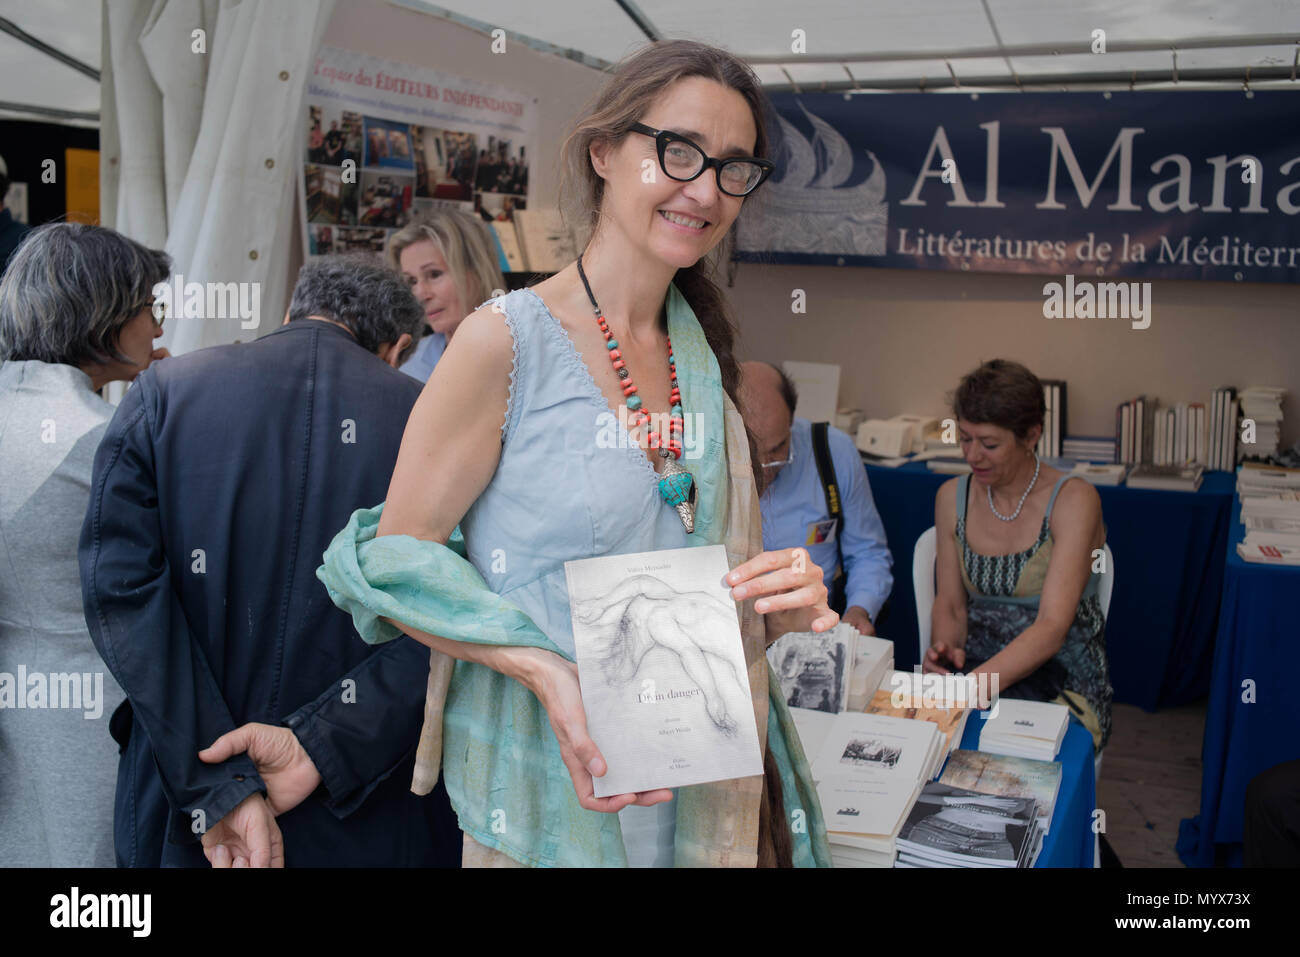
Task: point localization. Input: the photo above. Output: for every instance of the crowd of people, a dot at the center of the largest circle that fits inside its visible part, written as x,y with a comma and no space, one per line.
330,597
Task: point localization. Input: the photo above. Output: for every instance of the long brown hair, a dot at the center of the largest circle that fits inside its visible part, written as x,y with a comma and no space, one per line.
625,99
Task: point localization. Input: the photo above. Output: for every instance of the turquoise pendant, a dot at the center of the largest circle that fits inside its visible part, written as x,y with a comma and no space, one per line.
677,486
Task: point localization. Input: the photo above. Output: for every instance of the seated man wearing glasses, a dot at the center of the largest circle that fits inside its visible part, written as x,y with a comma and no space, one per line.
824,506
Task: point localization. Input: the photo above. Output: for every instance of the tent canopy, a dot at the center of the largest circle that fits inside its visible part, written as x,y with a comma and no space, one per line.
930,44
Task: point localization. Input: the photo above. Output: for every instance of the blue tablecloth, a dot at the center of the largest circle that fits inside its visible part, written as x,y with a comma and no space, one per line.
1070,840
1257,638
1169,550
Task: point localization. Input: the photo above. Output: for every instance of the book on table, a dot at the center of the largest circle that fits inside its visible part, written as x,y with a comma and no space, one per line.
662,670
1100,474
958,827
830,671
1027,729
868,771
1007,776
890,701
1174,478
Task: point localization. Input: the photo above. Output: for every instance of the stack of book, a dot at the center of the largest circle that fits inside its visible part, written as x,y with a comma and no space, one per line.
1088,448
1263,406
1270,511
830,671
1025,729
1100,474
1181,435
889,701
1174,478
868,771
948,464
1005,776
1049,443
1224,409
957,827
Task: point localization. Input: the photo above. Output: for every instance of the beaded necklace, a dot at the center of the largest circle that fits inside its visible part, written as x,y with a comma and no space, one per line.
676,484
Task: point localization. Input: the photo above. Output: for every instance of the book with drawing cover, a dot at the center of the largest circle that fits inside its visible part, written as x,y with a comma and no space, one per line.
1006,776
662,669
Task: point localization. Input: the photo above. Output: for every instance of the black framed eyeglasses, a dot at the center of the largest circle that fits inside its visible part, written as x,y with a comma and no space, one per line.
683,160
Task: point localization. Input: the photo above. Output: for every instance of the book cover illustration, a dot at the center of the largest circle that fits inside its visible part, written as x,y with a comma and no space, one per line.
662,669
1006,776
813,669
947,719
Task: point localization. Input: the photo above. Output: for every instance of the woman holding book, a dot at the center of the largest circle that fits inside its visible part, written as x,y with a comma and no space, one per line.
1016,594
509,441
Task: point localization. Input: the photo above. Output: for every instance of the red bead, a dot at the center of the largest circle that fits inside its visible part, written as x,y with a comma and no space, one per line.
628,387
653,440
619,363
608,335
675,448
615,354
642,418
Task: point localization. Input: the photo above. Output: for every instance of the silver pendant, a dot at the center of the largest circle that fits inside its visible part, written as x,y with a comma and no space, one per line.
677,486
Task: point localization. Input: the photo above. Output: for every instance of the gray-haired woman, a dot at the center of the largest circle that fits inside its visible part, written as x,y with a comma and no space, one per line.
449,260
76,312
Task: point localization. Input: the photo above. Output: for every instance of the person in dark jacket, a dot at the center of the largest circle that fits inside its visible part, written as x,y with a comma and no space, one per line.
218,485
12,232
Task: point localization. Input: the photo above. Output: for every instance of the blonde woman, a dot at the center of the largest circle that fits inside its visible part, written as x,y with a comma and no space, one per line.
449,260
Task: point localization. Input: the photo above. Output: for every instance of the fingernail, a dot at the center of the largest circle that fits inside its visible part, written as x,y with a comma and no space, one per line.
594,767
760,605
732,578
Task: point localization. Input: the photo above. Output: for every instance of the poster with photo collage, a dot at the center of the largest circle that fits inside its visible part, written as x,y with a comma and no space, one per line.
386,142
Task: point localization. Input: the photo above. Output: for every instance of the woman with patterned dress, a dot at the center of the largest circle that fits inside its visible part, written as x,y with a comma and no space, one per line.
1016,594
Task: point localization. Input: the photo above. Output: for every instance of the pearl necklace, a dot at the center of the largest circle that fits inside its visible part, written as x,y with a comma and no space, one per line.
1016,514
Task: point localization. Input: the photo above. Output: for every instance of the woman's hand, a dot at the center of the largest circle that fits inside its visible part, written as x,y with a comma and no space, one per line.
942,659
794,583
555,682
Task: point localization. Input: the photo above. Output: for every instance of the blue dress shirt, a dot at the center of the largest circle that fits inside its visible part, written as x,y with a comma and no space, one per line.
425,357
795,501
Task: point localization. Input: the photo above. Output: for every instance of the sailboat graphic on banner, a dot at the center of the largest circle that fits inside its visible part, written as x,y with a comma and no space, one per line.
808,209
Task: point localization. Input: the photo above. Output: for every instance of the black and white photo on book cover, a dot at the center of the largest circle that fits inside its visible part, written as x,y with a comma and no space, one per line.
861,747
662,669
813,669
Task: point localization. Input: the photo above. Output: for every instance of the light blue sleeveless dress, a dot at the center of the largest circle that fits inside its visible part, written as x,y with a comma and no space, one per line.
570,484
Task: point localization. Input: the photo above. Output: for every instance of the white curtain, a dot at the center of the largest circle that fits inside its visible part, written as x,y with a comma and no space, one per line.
199,151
